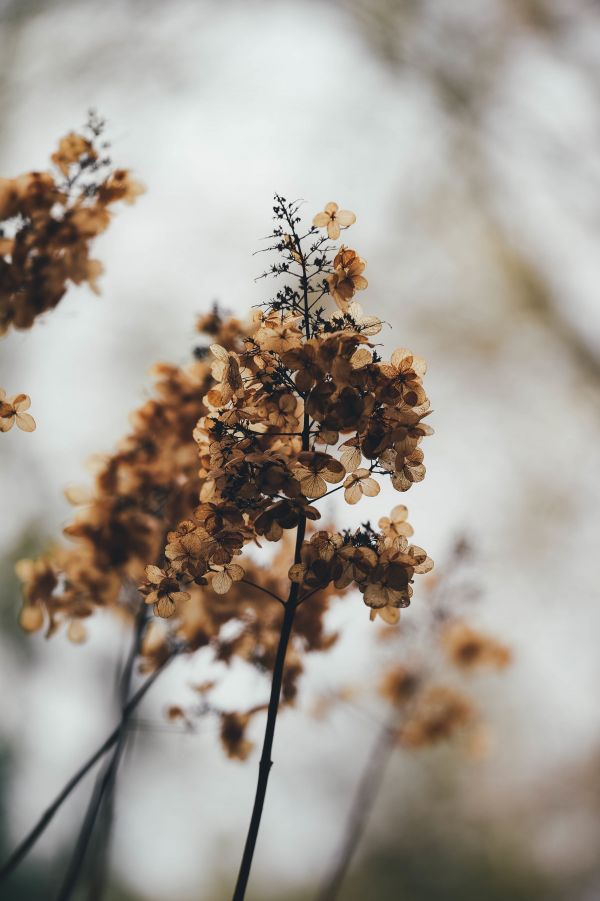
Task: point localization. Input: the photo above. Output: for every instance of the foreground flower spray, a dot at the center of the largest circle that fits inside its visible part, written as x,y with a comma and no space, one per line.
237,450
302,404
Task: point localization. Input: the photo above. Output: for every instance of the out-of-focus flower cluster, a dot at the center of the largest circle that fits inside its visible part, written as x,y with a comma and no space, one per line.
428,663
48,221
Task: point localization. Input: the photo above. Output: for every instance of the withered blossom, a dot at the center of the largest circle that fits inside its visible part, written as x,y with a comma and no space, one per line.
48,221
334,219
13,412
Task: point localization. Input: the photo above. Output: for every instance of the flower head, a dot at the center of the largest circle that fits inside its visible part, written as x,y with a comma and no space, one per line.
12,410
333,219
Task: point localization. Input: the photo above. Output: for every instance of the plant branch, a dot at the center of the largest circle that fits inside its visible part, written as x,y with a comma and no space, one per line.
265,591
105,784
265,764
42,824
362,805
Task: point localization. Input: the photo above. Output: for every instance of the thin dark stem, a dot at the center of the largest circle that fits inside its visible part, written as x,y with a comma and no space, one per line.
31,838
265,764
362,805
264,590
105,783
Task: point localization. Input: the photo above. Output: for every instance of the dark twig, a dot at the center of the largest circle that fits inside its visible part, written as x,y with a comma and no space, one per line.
105,783
266,763
31,838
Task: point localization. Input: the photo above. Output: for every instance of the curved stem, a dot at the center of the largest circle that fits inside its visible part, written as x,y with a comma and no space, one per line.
362,805
42,824
264,590
105,784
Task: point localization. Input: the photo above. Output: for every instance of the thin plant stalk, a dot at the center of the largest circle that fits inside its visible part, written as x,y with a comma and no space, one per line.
106,782
364,800
25,846
265,764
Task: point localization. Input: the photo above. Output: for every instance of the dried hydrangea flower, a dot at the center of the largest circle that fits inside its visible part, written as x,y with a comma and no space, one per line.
162,590
469,649
347,277
12,411
333,219
360,483
48,221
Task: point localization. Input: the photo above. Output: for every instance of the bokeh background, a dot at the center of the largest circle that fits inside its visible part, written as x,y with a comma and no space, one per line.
466,137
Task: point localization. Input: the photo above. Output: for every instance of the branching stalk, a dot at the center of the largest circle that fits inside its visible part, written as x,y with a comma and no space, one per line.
362,805
42,824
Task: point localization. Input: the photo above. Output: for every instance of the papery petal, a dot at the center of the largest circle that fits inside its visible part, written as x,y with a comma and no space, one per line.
345,218
221,582
313,486
352,493
236,572
25,422
164,607
21,402
370,487
31,618
154,574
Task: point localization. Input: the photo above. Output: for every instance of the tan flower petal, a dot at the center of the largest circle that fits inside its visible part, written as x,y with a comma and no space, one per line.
352,492
345,218
221,582
154,574
390,615
31,618
236,572
313,486
370,487
333,230
25,422
76,633
164,607
21,403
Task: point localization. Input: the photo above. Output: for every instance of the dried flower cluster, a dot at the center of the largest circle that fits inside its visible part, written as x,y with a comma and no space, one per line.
430,707
302,403
153,479
238,448
48,221
234,450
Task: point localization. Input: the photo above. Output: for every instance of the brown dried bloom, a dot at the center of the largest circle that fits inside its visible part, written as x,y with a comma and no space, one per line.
48,221
12,411
347,277
469,649
400,684
233,735
333,219
439,712
238,448
162,590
